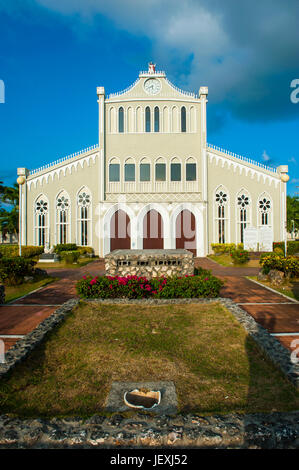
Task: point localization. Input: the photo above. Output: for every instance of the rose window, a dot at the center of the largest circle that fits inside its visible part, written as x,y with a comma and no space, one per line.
243,201
41,207
221,198
62,203
264,205
84,199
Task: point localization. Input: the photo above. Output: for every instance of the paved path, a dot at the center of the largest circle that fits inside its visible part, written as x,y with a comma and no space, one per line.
22,316
276,313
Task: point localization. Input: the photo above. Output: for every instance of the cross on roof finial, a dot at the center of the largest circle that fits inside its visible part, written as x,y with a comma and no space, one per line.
151,67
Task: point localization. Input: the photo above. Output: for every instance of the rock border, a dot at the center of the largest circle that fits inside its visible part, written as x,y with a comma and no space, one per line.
20,350
260,430
143,431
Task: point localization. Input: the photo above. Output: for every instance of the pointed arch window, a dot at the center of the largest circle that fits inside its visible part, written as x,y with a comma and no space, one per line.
121,120
175,170
84,218
147,119
264,210
62,217
160,170
41,220
144,170
183,119
243,208
157,119
221,199
190,170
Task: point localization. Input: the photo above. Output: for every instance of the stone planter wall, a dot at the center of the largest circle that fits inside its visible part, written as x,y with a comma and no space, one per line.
143,431
149,263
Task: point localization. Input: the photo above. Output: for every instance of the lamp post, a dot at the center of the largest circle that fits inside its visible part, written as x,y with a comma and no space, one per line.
284,177
21,180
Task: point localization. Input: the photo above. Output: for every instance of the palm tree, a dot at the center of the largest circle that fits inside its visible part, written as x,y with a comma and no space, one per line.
10,195
9,219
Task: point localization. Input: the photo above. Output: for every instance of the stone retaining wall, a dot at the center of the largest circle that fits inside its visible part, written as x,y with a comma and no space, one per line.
149,263
256,431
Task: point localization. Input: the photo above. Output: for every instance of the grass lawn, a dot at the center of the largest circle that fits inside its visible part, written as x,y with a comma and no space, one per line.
61,264
226,260
290,288
215,366
14,292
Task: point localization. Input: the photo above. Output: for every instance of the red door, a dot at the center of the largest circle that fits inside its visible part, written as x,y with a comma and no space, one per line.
153,230
120,235
186,231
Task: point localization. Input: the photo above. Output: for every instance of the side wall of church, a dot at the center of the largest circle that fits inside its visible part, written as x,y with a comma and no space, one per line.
67,187
234,183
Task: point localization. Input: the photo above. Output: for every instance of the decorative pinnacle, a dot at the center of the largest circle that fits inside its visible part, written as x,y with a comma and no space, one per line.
100,90
204,90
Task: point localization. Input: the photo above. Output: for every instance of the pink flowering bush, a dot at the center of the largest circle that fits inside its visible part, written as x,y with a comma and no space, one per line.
139,287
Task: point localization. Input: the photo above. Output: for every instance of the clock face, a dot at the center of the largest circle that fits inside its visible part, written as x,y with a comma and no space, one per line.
152,86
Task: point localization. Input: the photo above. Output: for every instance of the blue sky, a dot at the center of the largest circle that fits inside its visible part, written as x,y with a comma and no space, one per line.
54,53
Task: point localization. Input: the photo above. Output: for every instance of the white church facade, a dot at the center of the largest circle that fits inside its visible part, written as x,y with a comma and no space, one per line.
152,181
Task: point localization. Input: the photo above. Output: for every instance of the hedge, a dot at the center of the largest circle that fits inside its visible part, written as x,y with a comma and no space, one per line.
70,257
139,287
27,251
65,247
292,246
221,248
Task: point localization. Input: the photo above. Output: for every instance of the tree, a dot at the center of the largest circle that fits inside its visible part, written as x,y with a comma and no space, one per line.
9,217
292,213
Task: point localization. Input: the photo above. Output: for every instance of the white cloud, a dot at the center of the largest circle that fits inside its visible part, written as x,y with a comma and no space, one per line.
292,160
237,47
265,156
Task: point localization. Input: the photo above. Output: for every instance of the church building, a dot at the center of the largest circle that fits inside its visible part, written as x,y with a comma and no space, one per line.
152,180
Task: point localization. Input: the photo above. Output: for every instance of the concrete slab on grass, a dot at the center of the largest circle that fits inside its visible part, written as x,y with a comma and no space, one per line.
168,404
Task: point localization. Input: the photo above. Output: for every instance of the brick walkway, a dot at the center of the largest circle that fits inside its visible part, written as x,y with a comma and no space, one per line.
23,315
276,313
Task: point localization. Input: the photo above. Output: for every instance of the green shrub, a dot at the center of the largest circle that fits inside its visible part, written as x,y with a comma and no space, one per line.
70,257
134,287
289,265
65,247
85,250
27,251
221,248
13,270
292,246
279,251
199,271
240,256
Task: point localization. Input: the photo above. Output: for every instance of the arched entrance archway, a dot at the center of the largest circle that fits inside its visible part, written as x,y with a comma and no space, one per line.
153,230
185,231
120,233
